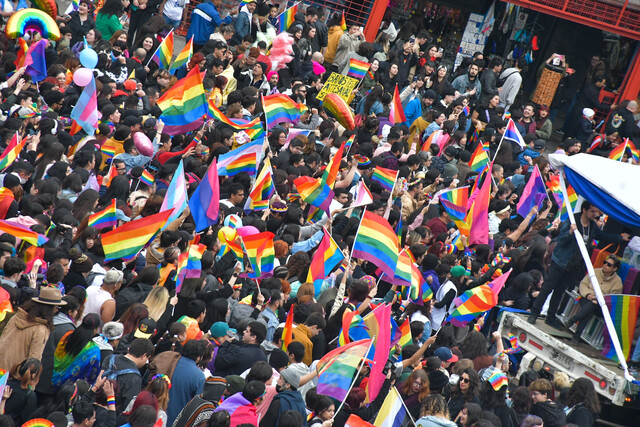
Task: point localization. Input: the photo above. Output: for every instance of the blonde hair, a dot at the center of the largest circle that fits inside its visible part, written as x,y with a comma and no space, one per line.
561,380
156,302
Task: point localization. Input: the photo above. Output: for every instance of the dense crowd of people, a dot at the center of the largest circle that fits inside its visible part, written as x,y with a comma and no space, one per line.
87,342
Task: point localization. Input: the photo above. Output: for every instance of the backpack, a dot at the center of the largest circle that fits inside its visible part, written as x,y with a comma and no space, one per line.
111,374
502,80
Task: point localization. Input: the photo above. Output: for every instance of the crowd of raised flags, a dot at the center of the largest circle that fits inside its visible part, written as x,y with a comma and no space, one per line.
251,210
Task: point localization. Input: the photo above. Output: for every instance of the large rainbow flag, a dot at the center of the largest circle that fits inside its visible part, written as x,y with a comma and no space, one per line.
476,301
185,103
286,18
105,218
624,315
243,159
280,108
386,178
263,189
376,242
455,202
315,192
127,240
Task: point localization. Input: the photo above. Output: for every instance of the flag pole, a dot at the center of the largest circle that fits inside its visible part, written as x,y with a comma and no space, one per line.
387,212
613,334
362,363
626,141
498,149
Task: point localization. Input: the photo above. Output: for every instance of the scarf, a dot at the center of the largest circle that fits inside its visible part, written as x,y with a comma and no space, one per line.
83,366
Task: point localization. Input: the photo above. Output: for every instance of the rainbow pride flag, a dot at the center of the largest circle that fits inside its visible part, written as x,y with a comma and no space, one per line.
280,108
215,113
331,171
287,331
343,22
349,143
358,69
12,151
21,53
327,257
476,301
405,330
479,159
286,18
315,192
108,150
337,368
263,189
24,233
105,218
259,250
376,242
111,173
618,152
624,315
242,159
147,178
396,112
455,202
164,52
183,57
386,178
127,240
185,102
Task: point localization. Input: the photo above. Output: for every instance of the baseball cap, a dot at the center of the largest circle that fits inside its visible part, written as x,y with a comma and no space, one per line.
146,329
220,329
132,120
539,144
445,355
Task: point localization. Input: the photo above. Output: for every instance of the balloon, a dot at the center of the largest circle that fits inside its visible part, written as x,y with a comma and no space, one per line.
89,58
339,109
247,230
143,144
82,76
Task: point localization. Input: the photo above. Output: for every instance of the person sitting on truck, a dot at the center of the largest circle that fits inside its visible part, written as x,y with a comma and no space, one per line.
610,283
551,413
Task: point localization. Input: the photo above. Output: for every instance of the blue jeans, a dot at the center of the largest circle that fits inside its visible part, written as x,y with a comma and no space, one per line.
175,23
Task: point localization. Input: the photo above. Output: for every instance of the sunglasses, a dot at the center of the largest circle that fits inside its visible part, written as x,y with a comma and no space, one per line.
610,264
464,380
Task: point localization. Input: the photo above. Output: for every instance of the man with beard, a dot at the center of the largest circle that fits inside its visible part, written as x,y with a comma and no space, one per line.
469,84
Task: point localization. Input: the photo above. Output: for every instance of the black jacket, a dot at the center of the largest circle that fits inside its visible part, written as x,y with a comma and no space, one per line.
235,358
128,296
550,412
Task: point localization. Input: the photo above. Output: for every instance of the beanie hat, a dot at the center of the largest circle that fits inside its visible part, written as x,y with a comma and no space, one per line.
278,359
292,376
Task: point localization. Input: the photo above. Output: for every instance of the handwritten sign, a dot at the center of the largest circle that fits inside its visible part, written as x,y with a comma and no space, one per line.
340,85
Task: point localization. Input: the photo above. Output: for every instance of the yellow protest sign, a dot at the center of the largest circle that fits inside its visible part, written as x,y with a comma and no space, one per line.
340,85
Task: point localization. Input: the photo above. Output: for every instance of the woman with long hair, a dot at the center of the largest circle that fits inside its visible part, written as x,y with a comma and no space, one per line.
323,410
495,401
156,302
77,356
414,391
544,127
108,18
80,21
28,330
133,316
474,347
23,378
159,386
298,266
371,104
441,83
434,413
52,153
465,391
583,403
389,78
470,414
371,78
85,204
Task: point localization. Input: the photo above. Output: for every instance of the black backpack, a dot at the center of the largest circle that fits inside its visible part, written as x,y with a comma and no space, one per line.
502,80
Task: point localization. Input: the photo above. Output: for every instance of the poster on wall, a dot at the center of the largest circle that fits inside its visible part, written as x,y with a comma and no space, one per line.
475,34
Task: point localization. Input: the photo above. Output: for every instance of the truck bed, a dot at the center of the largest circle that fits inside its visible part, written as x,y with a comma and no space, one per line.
550,349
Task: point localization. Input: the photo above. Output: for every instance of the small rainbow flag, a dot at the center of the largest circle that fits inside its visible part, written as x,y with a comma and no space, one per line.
498,380
337,368
396,112
164,52
21,53
624,315
327,257
479,159
331,171
127,240
215,113
349,143
263,189
405,330
315,192
112,173
618,152
280,108
476,301
343,22
12,151
23,233
376,242
259,250
286,18
108,150
287,331
183,57
386,178
105,218
244,162
475,136
358,69
455,202
147,178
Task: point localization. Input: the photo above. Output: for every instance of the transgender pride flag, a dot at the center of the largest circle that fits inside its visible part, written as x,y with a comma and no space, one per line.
85,112
176,197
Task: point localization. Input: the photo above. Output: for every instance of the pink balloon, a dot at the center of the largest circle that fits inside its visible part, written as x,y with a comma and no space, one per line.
143,144
82,76
247,230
